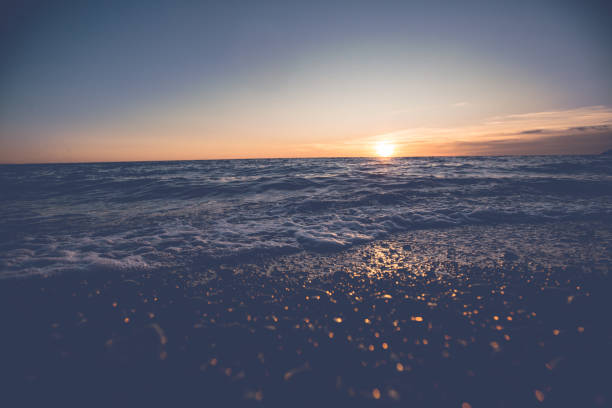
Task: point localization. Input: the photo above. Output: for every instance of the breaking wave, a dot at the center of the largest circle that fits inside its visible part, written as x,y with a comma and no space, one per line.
157,215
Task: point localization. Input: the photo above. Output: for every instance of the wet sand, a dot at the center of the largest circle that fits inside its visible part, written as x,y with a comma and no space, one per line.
481,316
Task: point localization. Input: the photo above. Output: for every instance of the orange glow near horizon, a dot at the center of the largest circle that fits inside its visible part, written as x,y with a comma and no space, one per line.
586,130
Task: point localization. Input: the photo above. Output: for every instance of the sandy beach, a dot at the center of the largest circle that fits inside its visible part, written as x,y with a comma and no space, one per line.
494,316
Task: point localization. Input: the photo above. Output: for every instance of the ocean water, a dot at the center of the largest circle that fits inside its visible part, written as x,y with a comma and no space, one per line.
169,215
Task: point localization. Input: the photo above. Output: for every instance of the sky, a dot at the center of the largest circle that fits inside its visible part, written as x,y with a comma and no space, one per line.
171,80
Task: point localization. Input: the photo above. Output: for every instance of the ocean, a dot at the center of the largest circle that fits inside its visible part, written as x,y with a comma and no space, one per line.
425,282
156,216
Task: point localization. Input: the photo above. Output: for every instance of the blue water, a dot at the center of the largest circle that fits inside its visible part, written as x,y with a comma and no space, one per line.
169,215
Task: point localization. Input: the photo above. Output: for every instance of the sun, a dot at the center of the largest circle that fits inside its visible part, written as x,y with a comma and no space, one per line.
384,149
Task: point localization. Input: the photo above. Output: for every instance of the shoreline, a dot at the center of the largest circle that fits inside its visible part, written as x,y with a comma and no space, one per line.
427,318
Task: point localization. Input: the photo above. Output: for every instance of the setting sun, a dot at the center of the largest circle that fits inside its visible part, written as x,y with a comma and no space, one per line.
384,149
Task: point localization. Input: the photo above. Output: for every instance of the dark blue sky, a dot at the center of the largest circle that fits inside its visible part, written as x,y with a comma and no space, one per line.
71,68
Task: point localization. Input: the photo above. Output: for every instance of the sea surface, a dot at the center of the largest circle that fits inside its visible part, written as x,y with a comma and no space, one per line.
156,216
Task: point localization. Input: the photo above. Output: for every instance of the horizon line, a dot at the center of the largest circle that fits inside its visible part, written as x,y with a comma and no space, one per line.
297,158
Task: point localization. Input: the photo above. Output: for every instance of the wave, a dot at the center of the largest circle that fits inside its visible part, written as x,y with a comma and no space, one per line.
108,216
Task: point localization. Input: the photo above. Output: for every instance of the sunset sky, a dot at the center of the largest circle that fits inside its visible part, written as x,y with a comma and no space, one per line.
155,80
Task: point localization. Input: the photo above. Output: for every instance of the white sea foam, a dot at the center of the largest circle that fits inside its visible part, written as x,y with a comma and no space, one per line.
186,214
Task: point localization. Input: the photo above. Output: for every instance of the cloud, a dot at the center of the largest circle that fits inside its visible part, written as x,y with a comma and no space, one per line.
592,143
591,128
531,132
582,130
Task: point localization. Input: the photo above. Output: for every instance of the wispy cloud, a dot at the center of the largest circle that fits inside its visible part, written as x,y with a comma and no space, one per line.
532,132
528,128
590,143
583,130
